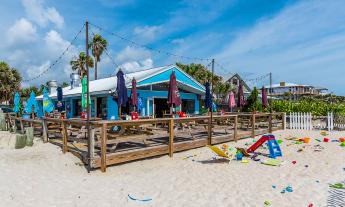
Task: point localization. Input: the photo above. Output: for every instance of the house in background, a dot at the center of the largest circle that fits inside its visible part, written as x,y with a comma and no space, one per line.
152,89
294,91
235,81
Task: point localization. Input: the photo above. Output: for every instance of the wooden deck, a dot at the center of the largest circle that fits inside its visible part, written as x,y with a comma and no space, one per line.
115,142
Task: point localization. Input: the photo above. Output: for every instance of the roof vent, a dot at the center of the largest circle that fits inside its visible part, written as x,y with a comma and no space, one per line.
52,85
75,78
282,84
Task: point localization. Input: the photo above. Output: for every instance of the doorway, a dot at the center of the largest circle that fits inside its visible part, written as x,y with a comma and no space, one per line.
161,107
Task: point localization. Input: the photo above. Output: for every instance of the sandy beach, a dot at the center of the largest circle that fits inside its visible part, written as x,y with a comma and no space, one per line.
42,176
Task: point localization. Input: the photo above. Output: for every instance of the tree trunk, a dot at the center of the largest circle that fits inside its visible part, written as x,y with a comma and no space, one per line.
96,60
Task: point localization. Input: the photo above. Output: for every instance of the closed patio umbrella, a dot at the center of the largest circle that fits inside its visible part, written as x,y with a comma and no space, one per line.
232,103
16,101
48,105
240,100
134,96
173,93
31,104
59,99
121,90
264,97
208,97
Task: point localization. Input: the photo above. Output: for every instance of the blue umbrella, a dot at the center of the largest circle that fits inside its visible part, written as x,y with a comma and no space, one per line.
122,96
208,97
31,103
48,105
16,101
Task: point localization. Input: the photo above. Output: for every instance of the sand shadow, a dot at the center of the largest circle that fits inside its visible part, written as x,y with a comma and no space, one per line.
214,161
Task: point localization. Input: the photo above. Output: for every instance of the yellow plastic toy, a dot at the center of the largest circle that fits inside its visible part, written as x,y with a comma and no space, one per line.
221,153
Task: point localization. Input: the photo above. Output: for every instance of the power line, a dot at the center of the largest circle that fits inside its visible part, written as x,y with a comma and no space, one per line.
58,59
148,47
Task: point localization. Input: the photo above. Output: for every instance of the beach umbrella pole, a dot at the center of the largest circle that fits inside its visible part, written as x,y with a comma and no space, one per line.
87,99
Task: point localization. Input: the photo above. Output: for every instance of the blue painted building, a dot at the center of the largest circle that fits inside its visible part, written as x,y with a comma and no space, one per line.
152,89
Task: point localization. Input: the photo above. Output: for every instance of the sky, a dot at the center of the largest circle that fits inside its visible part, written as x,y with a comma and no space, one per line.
298,41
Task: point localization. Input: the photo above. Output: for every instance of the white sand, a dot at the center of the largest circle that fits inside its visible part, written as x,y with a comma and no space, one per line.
43,176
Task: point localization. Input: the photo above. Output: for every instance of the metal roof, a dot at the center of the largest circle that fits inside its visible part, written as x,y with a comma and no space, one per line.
105,85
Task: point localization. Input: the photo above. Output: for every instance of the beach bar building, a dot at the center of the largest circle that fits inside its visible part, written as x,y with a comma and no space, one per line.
152,91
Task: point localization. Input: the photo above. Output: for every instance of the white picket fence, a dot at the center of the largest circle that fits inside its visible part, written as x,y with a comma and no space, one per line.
301,120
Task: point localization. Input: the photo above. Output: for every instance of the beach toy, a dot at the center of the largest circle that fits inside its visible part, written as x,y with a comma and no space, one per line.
136,199
337,186
310,205
272,144
342,139
267,203
243,151
271,162
273,186
306,140
342,144
318,140
279,141
220,153
239,156
325,139
294,162
245,161
289,189
323,133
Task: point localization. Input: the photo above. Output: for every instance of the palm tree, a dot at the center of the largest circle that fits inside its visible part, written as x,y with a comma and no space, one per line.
79,64
10,80
98,45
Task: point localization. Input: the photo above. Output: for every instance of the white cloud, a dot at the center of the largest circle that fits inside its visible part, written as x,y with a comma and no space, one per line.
42,15
147,33
133,54
303,39
133,66
178,41
34,70
54,42
21,32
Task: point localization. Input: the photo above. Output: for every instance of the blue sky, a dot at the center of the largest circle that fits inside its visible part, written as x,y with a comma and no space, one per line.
298,41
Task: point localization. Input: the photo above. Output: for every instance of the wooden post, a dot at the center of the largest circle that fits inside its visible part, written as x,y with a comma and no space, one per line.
209,138
284,121
21,126
44,130
104,148
235,128
171,137
92,143
64,137
253,125
270,123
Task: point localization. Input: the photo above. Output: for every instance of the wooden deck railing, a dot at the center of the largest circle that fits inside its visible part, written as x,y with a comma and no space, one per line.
106,135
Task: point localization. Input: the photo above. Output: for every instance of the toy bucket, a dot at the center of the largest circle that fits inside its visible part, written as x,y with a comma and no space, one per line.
306,140
342,139
325,139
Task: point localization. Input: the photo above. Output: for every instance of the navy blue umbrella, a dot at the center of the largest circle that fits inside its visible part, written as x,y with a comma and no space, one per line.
208,96
59,99
121,89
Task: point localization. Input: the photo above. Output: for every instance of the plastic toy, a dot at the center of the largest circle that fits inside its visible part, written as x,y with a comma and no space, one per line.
239,156
325,139
272,143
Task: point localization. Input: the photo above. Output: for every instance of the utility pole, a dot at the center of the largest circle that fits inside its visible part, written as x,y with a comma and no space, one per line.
88,114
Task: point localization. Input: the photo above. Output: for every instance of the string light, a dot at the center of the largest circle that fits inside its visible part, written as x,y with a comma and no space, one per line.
58,59
148,47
